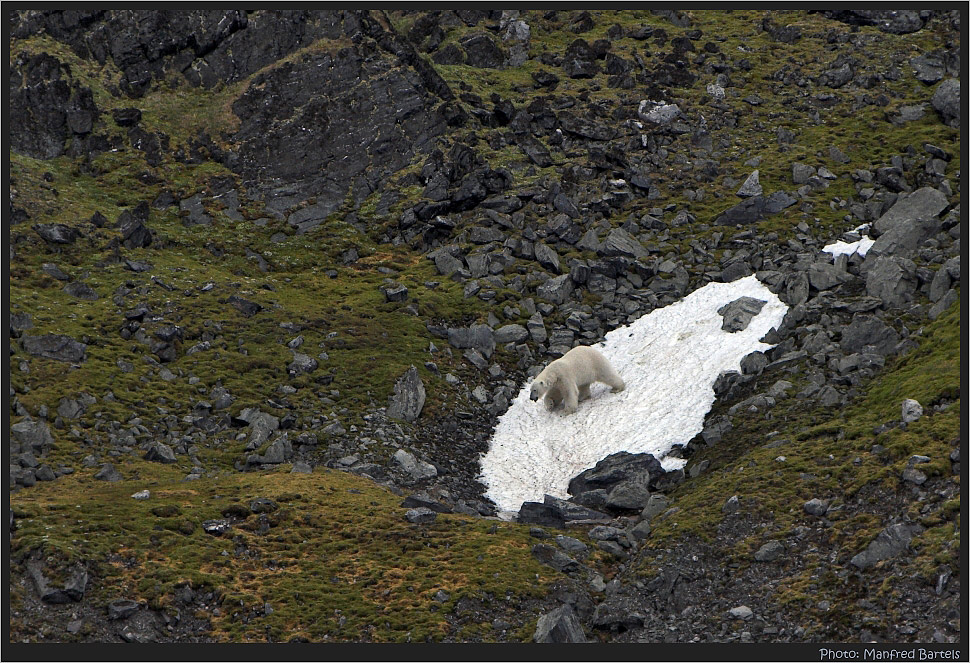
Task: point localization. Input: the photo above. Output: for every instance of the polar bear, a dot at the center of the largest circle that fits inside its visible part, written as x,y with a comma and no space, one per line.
566,380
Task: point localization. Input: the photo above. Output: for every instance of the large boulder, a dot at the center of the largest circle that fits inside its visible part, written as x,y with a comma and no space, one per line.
408,399
946,101
908,223
892,279
54,346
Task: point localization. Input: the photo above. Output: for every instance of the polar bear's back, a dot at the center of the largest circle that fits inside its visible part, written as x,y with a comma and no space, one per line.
585,364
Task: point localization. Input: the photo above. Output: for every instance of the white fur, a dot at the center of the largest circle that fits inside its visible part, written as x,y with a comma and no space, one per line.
567,379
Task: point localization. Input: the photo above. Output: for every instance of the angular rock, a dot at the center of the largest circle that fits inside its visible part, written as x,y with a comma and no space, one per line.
911,411
417,469
908,223
81,290
891,542
108,473
556,290
816,507
621,243
560,625
56,233
420,515
867,330
477,337
513,333
892,279
32,435
409,395
54,346
301,365
751,186
160,453
770,551
946,101
738,314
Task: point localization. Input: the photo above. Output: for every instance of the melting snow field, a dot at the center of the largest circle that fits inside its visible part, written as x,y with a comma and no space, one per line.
669,360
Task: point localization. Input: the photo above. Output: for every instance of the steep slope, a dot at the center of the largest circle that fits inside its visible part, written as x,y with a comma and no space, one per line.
234,233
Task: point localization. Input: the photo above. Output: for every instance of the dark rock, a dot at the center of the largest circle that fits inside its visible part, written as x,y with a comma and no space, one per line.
54,346
81,290
420,515
755,209
556,290
481,51
73,590
738,314
891,542
892,21
56,233
560,625
32,435
122,609
946,101
126,117
424,501
558,560
621,243
892,279
770,551
579,60
160,453
816,507
477,337
635,475
867,330
537,513
108,473
244,306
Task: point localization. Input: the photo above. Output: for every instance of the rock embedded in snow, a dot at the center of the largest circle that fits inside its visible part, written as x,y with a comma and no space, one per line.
738,314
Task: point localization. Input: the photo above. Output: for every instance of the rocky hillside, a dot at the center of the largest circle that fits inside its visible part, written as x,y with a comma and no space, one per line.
274,275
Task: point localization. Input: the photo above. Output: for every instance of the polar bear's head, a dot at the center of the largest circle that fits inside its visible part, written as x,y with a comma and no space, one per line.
540,387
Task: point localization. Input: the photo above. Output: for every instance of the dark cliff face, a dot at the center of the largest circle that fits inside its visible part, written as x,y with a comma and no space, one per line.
333,121
337,121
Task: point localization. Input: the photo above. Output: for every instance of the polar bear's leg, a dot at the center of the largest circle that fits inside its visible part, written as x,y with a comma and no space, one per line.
570,399
553,398
612,378
583,392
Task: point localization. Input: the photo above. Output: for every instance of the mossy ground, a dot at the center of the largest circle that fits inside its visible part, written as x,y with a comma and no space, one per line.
338,562
827,454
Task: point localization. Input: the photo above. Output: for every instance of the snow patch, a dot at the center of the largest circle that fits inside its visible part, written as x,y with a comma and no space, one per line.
669,360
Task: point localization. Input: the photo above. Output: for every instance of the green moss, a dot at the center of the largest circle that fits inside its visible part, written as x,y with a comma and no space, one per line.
339,562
